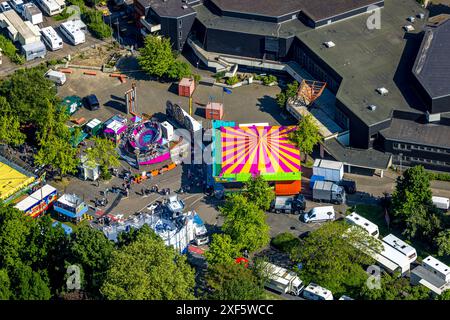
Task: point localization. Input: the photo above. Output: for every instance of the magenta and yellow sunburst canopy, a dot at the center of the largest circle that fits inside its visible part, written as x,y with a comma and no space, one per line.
258,150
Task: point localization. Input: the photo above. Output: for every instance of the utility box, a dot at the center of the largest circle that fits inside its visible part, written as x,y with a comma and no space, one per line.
186,87
214,111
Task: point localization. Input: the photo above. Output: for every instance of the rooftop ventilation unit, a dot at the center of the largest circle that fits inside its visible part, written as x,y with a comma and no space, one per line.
329,44
421,16
408,28
184,6
372,107
383,91
411,19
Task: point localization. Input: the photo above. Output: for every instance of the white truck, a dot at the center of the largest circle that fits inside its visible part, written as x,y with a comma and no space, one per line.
315,292
327,170
57,77
326,191
319,214
441,202
330,170
282,280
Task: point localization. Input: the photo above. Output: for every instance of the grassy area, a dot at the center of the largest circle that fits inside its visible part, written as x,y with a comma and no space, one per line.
376,215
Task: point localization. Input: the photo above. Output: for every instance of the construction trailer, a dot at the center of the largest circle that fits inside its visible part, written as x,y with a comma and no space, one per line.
19,30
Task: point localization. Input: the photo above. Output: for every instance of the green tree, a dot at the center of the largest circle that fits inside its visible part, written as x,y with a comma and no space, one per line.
412,189
245,223
290,92
393,287
156,56
443,243
5,292
92,251
27,284
59,154
147,269
422,222
330,260
281,99
10,133
179,70
444,296
103,153
233,282
221,250
258,191
306,136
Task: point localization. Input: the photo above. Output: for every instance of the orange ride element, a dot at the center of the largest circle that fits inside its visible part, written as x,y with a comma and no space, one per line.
288,188
90,73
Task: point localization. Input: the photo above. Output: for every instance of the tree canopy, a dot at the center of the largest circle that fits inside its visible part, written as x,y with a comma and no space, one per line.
221,250
245,223
412,189
307,135
156,55
104,154
157,59
147,269
234,282
393,287
258,191
329,259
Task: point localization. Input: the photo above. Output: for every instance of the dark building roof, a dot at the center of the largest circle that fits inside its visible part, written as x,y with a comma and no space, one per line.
213,21
364,158
432,66
321,10
314,9
272,8
167,8
427,134
370,59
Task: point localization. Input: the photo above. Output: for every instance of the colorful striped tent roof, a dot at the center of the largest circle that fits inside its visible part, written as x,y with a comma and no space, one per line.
259,150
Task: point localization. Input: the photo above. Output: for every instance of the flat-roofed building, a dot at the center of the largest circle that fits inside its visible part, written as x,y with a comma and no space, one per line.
19,30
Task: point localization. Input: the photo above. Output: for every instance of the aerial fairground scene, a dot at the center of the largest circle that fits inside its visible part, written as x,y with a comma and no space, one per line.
226,157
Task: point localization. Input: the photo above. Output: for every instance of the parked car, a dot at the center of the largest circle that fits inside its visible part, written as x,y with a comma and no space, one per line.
91,102
4,6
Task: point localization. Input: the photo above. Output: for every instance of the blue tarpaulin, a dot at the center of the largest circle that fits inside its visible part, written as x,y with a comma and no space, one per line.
67,230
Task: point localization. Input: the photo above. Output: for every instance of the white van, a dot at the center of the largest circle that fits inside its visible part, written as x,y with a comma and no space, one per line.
316,292
441,202
319,214
57,77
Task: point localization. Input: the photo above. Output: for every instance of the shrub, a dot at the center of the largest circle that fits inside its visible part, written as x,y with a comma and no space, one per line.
269,79
219,75
197,78
285,242
232,80
439,176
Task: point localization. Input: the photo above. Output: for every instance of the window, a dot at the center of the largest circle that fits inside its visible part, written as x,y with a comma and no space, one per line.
180,34
180,23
